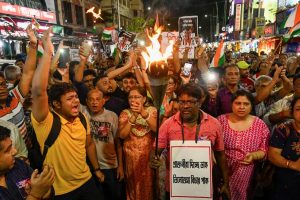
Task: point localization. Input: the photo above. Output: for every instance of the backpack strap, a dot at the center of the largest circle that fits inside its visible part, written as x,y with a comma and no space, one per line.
83,120
53,135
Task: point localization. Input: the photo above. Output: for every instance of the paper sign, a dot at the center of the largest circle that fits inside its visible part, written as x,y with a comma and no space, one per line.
188,30
166,38
125,41
190,170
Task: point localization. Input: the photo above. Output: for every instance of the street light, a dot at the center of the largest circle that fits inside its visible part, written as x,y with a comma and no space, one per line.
200,27
149,8
205,16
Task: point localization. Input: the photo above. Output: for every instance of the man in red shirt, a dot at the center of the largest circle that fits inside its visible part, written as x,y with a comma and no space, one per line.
182,126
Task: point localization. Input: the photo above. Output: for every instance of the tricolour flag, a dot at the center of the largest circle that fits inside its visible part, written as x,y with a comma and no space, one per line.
40,50
106,35
292,32
294,18
219,58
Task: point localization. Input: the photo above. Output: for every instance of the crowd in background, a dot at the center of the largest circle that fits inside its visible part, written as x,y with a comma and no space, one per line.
249,109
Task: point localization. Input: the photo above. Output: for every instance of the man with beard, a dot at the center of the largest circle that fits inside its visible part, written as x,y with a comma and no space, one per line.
246,82
183,126
68,153
112,103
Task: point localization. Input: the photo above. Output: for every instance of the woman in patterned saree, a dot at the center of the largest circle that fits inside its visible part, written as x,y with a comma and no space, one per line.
136,127
246,141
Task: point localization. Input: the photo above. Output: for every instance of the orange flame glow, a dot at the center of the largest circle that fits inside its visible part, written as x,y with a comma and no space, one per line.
95,15
154,53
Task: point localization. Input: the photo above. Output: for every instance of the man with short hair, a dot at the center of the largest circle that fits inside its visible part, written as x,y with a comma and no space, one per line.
17,180
231,78
68,153
112,103
11,108
104,126
246,82
183,126
88,77
12,75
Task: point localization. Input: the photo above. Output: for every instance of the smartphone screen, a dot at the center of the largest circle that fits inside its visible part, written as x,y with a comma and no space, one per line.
187,69
64,57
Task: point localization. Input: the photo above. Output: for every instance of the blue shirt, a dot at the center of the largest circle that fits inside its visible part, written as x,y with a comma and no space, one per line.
16,180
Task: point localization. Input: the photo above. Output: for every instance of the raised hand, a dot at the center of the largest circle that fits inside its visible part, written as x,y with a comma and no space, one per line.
46,39
31,35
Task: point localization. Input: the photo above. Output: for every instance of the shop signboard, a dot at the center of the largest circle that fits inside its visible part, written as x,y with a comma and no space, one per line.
238,11
15,10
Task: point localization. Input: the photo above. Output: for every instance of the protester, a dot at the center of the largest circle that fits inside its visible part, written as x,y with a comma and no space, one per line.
136,127
183,125
231,79
245,138
284,154
11,108
17,180
246,81
74,143
104,126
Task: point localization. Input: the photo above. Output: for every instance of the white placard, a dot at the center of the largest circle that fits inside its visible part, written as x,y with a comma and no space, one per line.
190,170
166,38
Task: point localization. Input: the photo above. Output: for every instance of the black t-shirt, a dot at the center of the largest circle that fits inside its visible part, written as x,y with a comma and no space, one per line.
16,180
287,181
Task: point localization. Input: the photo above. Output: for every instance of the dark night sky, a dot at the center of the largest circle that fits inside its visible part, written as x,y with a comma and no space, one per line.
172,9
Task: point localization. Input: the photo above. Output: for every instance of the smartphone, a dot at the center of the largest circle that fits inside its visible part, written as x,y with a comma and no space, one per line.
87,46
64,57
186,70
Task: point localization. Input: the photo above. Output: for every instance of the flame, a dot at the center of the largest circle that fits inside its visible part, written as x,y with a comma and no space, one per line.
154,53
95,15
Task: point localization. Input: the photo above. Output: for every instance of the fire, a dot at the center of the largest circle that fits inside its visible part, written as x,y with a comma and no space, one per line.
154,54
95,15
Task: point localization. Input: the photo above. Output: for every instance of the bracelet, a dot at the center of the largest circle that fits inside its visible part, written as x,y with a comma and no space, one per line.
38,198
137,67
288,164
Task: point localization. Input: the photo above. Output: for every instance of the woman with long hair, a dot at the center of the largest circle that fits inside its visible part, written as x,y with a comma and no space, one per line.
284,153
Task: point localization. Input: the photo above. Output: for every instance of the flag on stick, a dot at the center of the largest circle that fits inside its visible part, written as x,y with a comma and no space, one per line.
219,58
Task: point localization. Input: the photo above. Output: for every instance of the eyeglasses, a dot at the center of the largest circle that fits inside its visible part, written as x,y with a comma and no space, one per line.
188,102
135,97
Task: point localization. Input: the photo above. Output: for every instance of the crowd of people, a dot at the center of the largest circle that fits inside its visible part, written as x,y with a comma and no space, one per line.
94,124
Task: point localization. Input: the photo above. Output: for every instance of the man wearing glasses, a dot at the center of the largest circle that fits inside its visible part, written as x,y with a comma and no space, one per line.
183,126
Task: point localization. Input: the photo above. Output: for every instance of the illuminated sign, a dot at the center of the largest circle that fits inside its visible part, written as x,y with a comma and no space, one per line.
237,26
6,8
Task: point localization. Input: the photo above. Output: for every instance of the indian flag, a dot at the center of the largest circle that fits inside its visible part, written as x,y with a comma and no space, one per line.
106,35
292,32
40,50
219,58
294,18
